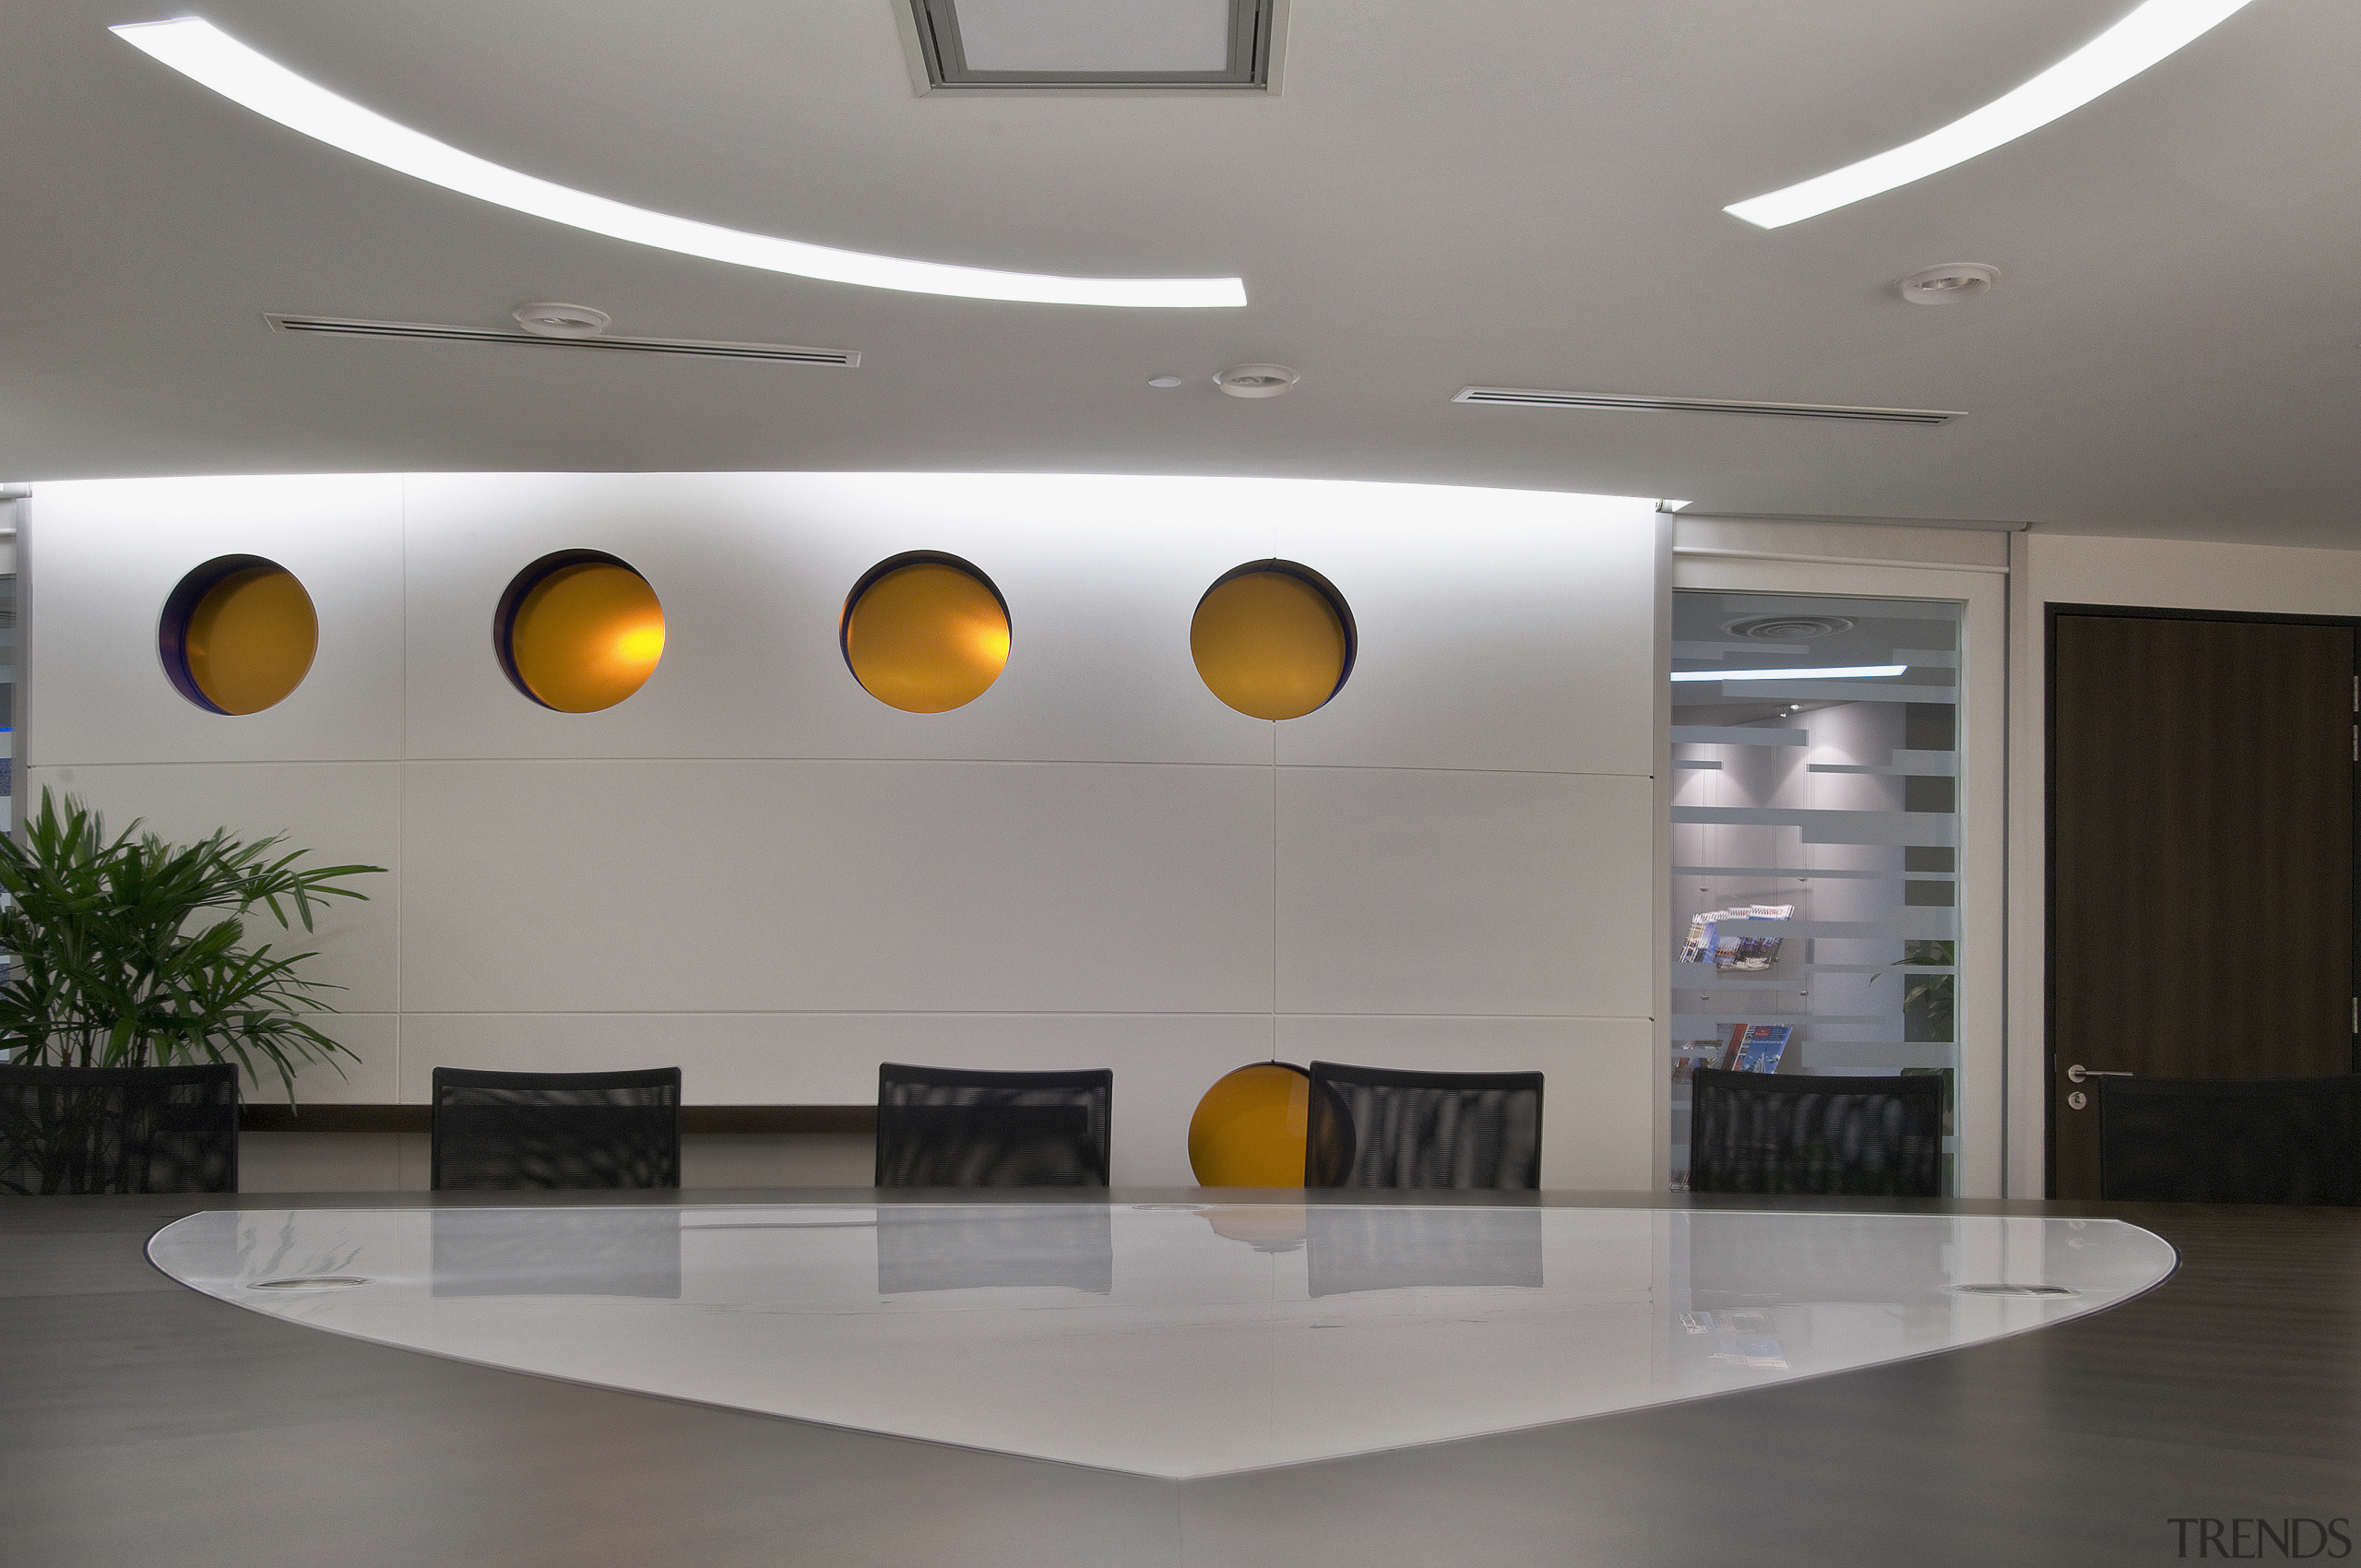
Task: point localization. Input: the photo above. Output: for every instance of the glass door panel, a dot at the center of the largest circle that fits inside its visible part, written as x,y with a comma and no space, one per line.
1815,841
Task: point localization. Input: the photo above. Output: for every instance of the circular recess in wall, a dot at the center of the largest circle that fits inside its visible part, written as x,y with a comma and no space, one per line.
1273,639
924,632
238,634
578,631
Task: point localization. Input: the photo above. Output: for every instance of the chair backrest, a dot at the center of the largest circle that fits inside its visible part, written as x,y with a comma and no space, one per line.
119,1129
944,1127
1831,1136
556,1130
2230,1140
1378,1127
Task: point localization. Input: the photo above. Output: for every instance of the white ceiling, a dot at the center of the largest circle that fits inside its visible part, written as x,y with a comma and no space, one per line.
1521,193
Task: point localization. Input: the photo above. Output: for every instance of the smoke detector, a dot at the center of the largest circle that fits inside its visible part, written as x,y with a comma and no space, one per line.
1256,380
548,319
1950,283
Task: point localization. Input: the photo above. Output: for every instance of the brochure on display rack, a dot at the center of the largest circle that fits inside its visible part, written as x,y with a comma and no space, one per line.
1756,1048
1705,943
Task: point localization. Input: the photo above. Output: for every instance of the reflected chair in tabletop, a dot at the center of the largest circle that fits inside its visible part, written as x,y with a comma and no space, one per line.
119,1129
2230,1140
947,1127
1828,1137
556,1130
1378,1127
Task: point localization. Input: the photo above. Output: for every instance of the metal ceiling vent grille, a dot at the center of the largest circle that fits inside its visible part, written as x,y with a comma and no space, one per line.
1095,44
1528,398
336,326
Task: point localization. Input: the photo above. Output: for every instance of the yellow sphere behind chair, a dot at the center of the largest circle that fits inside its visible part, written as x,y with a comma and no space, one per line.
1249,1129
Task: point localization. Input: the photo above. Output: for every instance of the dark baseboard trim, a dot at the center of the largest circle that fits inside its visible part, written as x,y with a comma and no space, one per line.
261,1117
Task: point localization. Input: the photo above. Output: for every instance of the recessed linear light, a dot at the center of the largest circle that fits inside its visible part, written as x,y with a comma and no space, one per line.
204,53
2151,32
1803,673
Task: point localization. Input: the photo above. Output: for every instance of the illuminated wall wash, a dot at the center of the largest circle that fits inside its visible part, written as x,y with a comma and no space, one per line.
834,817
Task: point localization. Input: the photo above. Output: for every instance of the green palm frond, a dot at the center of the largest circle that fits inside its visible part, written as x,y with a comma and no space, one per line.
129,951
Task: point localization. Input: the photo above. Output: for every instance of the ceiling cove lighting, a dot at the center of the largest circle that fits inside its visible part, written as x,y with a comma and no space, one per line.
1803,673
2149,34
206,54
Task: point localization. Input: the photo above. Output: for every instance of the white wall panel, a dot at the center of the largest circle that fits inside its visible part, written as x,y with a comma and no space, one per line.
1596,1072
1163,1064
1498,629
344,813
752,569
754,868
373,1079
1422,891
964,886
106,555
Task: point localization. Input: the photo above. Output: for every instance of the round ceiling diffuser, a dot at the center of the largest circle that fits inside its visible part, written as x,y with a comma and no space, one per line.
1788,628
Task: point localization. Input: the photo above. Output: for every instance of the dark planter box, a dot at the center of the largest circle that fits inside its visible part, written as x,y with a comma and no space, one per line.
118,1130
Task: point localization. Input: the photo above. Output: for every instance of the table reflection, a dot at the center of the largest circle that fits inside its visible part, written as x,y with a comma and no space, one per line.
967,1249
572,1252
1393,1248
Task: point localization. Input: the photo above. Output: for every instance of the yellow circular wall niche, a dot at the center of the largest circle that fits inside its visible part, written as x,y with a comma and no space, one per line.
238,634
925,633
1273,639
579,631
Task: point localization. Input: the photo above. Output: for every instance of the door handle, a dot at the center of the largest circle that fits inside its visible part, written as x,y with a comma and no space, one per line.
2078,1073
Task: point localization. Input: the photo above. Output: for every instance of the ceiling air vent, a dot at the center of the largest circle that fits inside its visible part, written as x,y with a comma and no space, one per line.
1528,398
336,327
1096,46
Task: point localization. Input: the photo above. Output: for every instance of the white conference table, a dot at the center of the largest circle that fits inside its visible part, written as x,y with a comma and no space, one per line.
1175,1378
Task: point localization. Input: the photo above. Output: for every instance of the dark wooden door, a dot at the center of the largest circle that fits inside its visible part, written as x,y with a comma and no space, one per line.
2201,856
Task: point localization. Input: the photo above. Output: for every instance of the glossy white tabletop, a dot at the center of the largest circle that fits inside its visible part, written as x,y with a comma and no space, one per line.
1166,1340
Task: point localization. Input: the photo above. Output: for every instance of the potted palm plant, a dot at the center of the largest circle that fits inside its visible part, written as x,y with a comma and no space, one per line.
130,952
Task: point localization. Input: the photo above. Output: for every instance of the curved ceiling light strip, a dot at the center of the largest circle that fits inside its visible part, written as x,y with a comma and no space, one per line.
2149,33
204,53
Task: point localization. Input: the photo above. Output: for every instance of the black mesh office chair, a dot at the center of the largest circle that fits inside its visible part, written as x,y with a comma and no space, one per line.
1377,1127
1828,1137
944,1127
119,1129
2230,1140
559,1130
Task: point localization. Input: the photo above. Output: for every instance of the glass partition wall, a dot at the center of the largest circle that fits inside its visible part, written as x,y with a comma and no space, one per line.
1815,841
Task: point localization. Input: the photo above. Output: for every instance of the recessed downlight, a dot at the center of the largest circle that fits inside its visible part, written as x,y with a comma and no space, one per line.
1165,380
2149,33
206,54
1256,380
1950,284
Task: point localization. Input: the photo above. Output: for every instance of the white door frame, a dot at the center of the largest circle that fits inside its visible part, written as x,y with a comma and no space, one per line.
1990,1141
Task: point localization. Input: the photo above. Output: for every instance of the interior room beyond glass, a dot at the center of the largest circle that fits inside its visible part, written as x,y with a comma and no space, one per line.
1815,841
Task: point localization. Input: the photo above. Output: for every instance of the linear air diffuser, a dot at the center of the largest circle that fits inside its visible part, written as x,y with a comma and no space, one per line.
1528,398
336,326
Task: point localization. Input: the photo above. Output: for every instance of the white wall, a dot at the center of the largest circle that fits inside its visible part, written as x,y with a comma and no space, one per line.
755,870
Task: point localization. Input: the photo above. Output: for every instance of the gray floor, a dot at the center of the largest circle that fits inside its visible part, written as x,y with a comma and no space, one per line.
141,1423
